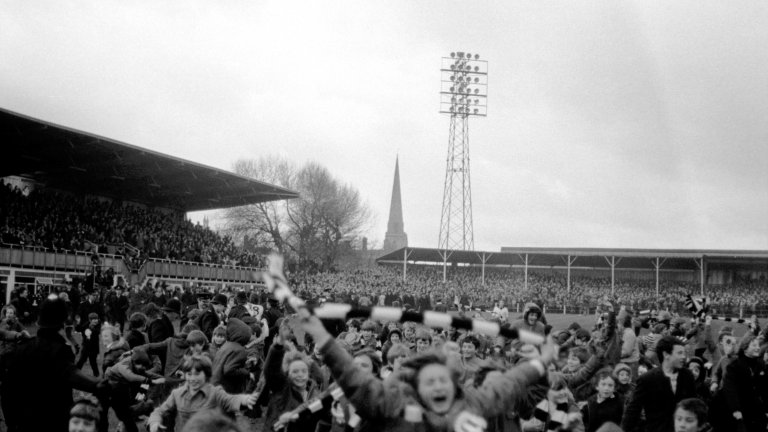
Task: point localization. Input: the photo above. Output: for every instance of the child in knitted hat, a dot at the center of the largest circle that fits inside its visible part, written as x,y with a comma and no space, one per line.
624,384
701,376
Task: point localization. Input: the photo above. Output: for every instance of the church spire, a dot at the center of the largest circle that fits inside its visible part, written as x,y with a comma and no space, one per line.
395,237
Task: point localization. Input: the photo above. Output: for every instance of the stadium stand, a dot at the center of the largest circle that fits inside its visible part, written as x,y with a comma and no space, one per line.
68,198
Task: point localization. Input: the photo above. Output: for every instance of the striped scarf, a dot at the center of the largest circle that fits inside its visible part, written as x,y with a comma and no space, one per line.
697,306
554,419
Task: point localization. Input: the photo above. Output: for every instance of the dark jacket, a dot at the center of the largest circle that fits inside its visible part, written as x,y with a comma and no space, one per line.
171,352
160,329
284,397
595,414
135,338
384,402
653,395
39,376
113,353
208,321
118,308
92,343
85,309
229,369
744,390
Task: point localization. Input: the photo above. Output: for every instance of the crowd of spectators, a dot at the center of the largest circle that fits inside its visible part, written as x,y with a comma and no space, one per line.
424,286
260,367
62,221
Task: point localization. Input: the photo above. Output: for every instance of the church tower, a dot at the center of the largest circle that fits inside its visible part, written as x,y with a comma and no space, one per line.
396,237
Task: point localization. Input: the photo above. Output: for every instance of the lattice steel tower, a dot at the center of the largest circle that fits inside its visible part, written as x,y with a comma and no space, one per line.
463,94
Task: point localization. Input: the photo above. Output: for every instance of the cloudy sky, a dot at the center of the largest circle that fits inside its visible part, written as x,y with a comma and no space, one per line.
610,124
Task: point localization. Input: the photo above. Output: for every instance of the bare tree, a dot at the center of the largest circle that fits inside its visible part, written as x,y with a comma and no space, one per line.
311,230
265,222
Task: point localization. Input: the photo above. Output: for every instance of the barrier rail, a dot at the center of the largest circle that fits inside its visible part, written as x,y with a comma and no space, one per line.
41,258
159,268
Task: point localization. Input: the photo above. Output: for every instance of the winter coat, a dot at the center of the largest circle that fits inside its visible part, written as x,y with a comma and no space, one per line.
744,389
522,324
85,309
284,397
612,341
229,369
653,395
580,379
122,374
91,343
113,352
135,338
171,352
118,307
160,329
183,404
630,351
596,413
384,403
38,377
208,321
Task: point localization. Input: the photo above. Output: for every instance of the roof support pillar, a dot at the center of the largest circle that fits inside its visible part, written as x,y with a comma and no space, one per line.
406,255
10,283
568,262
701,265
484,257
657,263
445,254
525,262
612,261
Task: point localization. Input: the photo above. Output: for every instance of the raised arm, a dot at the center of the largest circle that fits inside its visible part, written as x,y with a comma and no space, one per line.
372,397
273,375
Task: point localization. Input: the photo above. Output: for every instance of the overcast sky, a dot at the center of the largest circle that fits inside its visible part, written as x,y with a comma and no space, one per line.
610,123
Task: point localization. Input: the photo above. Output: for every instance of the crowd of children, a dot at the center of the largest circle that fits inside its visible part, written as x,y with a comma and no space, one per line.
265,370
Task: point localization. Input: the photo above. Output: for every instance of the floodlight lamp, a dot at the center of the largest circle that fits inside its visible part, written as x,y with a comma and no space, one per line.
453,66
475,110
453,54
477,79
477,91
477,57
477,69
453,77
469,56
469,67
